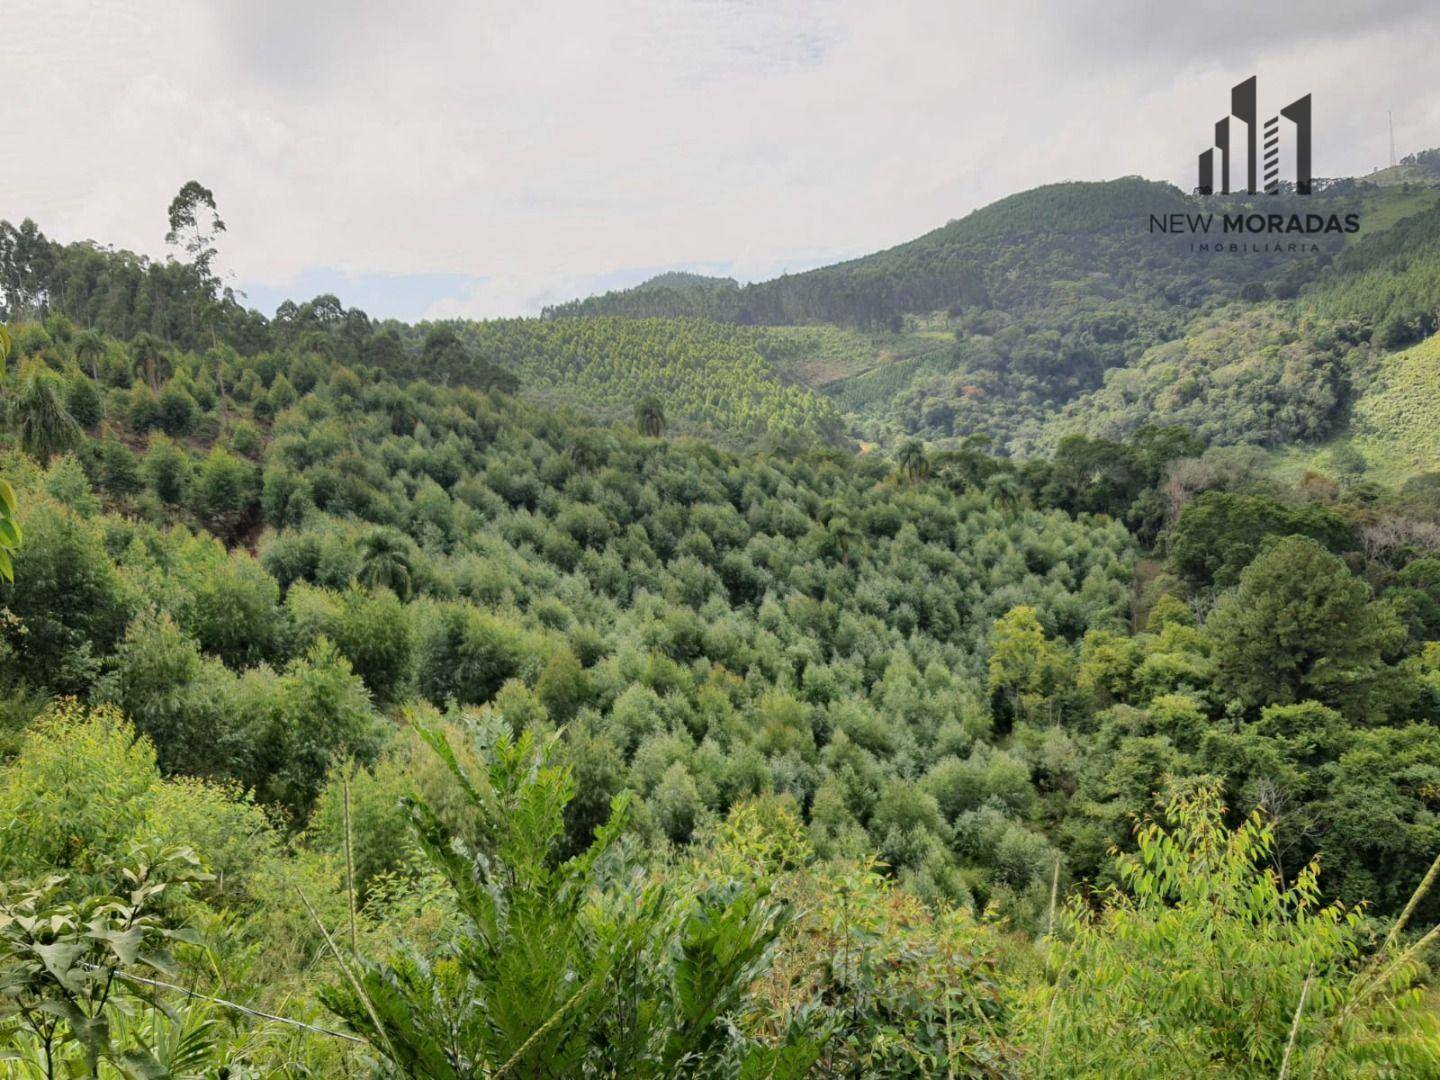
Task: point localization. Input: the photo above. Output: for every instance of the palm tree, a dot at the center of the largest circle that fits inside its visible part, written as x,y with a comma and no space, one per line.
914,465
385,560
46,427
149,350
650,417
89,347
1004,490
844,537
585,455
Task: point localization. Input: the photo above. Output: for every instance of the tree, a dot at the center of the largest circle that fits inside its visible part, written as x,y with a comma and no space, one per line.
166,468
10,532
69,598
320,712
195,225
466,654
650,417
914,465
66,966
175,409
225,492
230,605
445,358
82,400
1219,532
563,686
46,427
444,354
375,635
1301,626
1004,490
149,352
842,537
1025,669
281,394
1093,476
385,563
1155,446
89,348
157,677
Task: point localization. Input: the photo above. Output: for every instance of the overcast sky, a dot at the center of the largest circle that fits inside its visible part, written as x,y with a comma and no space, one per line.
432,159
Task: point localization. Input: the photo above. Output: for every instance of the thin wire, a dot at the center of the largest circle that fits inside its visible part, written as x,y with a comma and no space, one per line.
238,1008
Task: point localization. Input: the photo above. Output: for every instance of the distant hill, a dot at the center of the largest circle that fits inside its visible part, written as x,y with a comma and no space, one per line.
1001,255
1418,168
1056,309
684,279
675,294
1049,311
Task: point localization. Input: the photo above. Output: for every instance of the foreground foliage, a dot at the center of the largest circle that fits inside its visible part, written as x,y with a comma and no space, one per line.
1207,963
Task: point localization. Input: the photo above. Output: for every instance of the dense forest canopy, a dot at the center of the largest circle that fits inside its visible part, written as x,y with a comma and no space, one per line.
356,677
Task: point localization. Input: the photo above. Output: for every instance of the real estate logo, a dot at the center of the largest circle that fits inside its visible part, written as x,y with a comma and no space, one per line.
1243,111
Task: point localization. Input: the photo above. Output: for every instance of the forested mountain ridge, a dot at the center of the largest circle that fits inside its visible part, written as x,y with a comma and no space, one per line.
1051,311
714,379
1067,231
1038,314
944,268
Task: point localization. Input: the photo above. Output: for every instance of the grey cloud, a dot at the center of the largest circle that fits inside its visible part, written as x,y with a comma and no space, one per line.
1204,29
536,148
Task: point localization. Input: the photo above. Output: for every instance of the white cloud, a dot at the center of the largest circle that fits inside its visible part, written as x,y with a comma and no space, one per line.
541,149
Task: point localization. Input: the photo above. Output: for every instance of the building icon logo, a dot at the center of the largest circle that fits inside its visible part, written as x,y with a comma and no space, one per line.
1243,110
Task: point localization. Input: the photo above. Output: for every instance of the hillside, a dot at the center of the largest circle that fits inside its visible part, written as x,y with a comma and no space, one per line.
976,261
1049,311
1396,423
1053,311
1419,169
995,323
396,697
1393,428
713,380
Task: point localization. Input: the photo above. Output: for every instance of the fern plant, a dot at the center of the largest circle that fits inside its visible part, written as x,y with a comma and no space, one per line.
565,967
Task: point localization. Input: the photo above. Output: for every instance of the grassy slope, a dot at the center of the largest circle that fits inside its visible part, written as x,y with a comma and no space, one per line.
1395,421
1391,205
1396,175
1395,424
